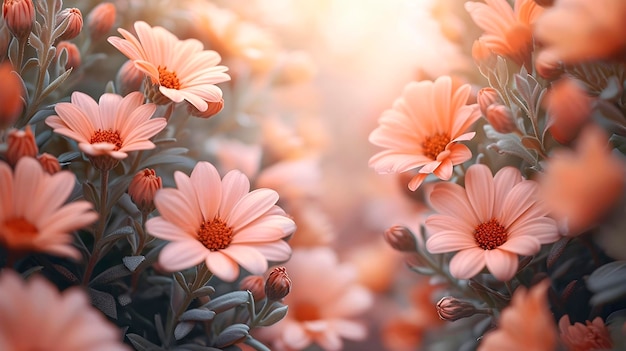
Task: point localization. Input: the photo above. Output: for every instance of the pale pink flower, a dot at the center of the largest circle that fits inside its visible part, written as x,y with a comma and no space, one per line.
490,222
422,130
526,324
36,316
508,31
33,213
581,186
590,336
598,33
181,69
219,222
111,127
323,302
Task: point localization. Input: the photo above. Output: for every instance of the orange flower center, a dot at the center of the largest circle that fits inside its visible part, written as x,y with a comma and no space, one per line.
107,136
168,79
305,311
434,145
18,233
215,235
489,235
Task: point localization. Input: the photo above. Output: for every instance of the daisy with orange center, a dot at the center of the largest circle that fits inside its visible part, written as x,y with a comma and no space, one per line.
33,213
593,335
422,130
219,222
508,31
109,128
490,222
36,316
181,69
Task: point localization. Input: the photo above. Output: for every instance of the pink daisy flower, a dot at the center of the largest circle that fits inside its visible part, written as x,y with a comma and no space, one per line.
181,69
490,222
33,213
219,222
36,316
422,130
111,127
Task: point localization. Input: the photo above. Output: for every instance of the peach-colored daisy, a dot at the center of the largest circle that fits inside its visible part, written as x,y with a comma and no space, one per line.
323,302
181,69
490,222
590,336
598,33
111,127
577,197
508,31
422,131
36,316
526,324
33,213
219,222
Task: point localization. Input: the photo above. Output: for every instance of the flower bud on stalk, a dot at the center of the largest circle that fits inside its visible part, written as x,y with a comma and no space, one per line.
501,119
401,238
487,97
142,189
74,25
255,284
100,20
452,309
19,16
129,78
73,54
21,143
49,163
278,284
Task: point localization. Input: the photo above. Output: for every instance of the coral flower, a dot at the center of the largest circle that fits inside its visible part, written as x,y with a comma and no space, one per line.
35,316
181,68
33,216
422,130
490,222
526,324
508,31
590,336
323,302
219,222
112,127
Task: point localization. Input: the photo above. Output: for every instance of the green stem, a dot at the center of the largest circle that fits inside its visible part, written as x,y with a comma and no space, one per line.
99,232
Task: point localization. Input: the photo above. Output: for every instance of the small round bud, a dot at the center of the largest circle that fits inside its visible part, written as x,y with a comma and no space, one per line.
401,238
11,103
74,19
143,187
129,78
100,20
213,109
501,119
278,284
487,97
255,284
21,143
49,163
72,52
548,66
19,16
452,309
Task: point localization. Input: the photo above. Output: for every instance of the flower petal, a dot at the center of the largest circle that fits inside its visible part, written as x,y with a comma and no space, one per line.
502,264
467,263
179,255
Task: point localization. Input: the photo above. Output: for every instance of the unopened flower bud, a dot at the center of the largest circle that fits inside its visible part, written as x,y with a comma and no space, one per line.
501,119
278,284
19,16
72,52
452,309
11,104
487,97
255,284
548,66
401,238
213,109
100,20
129,78
49,163
143,187
569,109
74,19
21,143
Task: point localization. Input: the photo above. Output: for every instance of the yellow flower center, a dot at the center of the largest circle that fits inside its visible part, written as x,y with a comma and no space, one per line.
305,311
168,79
434,145
489,235
215,235
17,233
107,136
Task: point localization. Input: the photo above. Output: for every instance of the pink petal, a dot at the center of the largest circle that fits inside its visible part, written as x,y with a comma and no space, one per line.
180,255
235,185
160,228
295,336
436,223
521,245
208,186
329,340
248,257
349,329
267,228
502,264
353,300
222,266
444,171
175,208
252,206
544,229
451,199
504,180
459,153
6,189
480,191
416,181
278,251
519,199
449,241
467,263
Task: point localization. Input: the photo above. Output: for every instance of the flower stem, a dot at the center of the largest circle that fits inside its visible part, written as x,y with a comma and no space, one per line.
99,232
